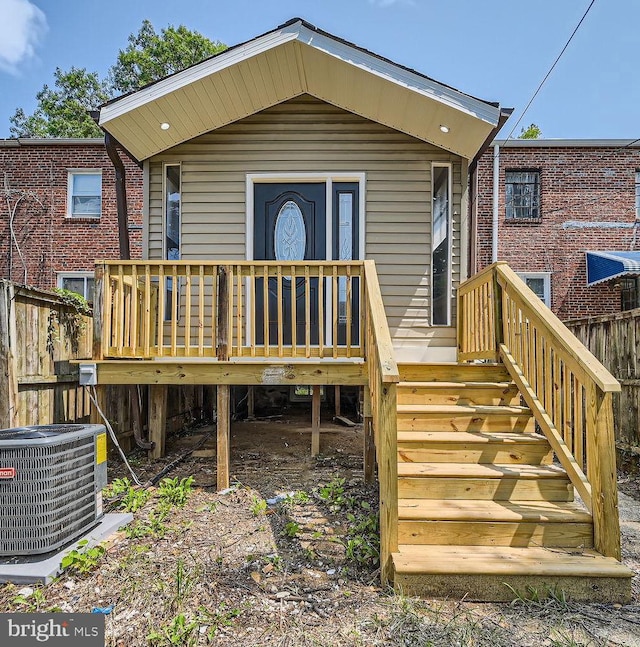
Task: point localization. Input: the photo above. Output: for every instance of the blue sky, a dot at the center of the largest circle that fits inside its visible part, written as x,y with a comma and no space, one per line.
494,49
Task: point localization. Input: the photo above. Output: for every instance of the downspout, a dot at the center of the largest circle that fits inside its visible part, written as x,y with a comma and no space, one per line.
121,196
125,255
496,197
505,113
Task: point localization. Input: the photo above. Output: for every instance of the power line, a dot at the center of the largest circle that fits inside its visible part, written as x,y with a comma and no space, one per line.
548,74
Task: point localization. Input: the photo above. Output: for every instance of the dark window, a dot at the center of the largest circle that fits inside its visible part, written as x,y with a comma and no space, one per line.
522,195
629,294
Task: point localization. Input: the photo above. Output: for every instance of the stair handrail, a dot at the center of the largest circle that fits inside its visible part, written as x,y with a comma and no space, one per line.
567,389
383,378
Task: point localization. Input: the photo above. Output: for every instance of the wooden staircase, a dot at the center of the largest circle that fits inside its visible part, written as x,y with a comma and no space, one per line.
483,509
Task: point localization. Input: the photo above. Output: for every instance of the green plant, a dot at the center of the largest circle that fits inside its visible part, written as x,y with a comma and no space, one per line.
175,491
179,631
259,506
84,559
363,540
154,526
220,617
183,581
291,529
551,597
33,602
131,498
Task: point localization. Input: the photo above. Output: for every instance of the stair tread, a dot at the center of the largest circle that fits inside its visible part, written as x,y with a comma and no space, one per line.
465,409
470,437
505,560
456,385
491,511
479,470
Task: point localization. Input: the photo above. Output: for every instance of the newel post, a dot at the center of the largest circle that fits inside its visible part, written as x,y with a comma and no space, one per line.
98,311
498,322
601,467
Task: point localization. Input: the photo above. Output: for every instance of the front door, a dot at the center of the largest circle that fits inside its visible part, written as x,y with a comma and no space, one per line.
289,225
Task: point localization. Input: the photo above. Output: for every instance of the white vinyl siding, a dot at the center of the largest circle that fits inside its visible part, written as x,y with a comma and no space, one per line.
307,135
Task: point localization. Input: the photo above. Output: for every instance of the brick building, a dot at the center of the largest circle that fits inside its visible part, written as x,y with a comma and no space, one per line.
58,196
552,201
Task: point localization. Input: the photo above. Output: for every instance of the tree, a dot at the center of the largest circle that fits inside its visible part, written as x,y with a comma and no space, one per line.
62,111
151,56
532,132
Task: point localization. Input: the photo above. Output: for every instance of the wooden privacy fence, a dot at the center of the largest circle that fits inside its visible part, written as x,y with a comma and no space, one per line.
566,387
305,309
615,340
39,336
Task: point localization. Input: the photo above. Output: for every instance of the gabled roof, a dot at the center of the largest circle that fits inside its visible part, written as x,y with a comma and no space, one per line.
296,58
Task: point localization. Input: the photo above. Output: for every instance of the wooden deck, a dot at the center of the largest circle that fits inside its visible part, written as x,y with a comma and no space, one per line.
478,462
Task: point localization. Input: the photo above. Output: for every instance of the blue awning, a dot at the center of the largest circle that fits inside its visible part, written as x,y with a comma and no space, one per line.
603,266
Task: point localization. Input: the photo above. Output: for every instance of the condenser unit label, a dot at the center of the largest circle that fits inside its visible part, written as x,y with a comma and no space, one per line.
7,472
101,448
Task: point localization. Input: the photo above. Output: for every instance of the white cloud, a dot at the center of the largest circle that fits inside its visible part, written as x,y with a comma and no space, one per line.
22,25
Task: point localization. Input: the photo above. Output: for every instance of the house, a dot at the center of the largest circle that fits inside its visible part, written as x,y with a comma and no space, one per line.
555,210
305,223
58,211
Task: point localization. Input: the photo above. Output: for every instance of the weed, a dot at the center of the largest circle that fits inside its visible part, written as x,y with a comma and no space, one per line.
363,540
34,602
275,560
212,506
221,617
179,631
84,559
258,507
175,491
551,597
131,498
291,529
154,526
183,581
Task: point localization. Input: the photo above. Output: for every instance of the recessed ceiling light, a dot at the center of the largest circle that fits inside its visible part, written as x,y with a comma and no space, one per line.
444,129
165,126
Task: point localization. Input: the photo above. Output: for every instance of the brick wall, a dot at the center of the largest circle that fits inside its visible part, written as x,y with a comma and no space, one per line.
50,242
580,186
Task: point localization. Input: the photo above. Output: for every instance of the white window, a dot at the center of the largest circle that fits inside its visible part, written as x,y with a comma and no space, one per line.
540,283
84,193
441,288
79,282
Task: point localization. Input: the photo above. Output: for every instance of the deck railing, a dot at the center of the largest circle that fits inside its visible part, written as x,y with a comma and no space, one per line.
151,309
566,387
383,379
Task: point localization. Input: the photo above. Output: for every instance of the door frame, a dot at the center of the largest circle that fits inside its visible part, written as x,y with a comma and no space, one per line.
328,178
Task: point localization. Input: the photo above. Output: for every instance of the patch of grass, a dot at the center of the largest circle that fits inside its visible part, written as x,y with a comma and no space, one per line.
33,603
533,597
154,526
218,618
181,631
184,580
84,559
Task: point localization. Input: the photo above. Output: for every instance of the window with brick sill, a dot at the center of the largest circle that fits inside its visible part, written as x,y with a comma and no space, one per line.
84,193
522,196
539,283
630,293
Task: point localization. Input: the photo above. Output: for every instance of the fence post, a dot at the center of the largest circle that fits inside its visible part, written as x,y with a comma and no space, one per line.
8,372
601,466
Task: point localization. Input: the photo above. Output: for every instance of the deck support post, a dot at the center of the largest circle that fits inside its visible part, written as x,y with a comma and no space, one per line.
157,419
336,391
101,399
369,450
315,421
251,403
223,429
601,470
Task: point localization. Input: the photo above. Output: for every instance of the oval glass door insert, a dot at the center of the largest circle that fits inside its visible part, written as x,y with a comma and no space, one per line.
289,233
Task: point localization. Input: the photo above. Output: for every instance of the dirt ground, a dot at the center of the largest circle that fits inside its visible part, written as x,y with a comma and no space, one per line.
198,567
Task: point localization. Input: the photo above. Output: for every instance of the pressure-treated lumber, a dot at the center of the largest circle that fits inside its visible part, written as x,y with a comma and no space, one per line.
315,420
470,393
223,436
157,419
